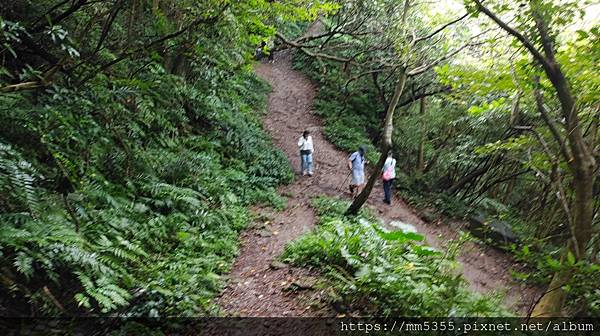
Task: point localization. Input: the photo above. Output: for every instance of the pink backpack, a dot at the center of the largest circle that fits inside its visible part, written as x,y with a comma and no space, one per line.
387,174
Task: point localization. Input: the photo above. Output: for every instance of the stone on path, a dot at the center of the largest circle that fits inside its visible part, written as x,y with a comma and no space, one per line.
405,227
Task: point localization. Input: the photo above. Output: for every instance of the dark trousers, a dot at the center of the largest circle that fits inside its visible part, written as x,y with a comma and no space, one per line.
387,191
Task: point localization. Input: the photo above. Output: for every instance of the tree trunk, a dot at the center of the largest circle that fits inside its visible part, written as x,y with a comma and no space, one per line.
581,229
155,6
580,159
582,166
595,251
386,145
131,21
421,154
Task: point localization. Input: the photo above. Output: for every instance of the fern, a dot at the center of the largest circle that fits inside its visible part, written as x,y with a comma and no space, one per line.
156,193
24,264
17,179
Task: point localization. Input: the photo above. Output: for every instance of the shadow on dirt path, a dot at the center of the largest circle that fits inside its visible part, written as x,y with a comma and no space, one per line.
258,286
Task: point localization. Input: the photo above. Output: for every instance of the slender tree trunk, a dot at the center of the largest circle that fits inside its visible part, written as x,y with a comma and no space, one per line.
386,145
548,214
509,189
581,229
131,21
155,6
595,251
421,153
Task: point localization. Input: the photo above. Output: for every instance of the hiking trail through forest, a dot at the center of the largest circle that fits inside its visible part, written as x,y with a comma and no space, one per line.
260,286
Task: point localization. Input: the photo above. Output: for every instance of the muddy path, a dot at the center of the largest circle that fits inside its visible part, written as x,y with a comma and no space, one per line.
258,286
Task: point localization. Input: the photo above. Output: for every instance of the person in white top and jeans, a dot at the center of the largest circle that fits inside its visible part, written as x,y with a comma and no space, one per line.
305,143
388,176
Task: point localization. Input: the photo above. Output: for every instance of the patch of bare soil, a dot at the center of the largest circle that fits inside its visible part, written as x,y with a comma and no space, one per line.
259,286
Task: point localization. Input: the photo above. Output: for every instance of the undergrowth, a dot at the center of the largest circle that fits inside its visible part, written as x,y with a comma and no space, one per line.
105,210
383,273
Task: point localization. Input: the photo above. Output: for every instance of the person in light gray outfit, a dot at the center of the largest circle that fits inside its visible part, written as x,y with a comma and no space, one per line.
356,164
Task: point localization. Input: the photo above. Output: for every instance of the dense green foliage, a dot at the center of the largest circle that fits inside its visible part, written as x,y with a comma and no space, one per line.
385,273
160,188
129,152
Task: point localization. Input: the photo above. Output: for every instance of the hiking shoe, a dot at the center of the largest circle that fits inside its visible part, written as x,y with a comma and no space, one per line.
310,174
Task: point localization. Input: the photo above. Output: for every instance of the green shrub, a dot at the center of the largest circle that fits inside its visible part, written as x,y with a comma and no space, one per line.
385,273
136,212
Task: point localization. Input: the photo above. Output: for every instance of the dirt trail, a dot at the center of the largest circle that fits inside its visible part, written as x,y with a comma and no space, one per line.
257,287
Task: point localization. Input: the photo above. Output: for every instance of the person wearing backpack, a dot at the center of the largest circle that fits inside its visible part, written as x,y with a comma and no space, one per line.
305,143
356,164
259,52
388,175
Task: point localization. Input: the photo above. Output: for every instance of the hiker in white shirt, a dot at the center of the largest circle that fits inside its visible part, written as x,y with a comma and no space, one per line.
388,175
305,144
356,164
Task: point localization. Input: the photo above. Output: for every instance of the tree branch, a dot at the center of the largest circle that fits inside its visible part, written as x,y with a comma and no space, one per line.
426,67
21,86
126,55
435,32
539,101
424,94
360,75
108,24
75,7
524,40
48,12
314,54
542,28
